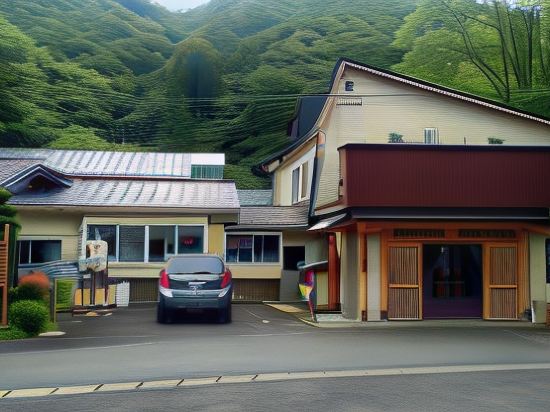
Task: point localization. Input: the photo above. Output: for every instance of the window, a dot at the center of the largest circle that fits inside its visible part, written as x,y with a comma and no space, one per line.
431,135
292,255
252,248
206,172
349,86
547,260
106,233
190,239
162,243
300,183
131,243
148,243
39,251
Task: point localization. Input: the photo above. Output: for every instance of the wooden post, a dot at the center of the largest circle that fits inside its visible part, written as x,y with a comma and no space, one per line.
333,274
4,267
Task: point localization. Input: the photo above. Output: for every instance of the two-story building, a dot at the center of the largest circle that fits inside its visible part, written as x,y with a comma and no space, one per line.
430,203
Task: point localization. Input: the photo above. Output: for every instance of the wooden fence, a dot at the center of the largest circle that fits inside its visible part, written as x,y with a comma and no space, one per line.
4,250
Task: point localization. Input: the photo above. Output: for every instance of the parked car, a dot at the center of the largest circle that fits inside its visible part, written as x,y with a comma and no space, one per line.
194,282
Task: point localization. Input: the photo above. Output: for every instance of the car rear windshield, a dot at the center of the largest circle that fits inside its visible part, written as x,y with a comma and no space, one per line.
195,264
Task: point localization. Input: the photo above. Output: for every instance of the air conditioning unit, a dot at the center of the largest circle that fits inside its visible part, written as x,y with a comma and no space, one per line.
431,135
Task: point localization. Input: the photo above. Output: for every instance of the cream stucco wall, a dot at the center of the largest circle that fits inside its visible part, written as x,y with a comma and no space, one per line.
283,175
52,225
389,106
373,277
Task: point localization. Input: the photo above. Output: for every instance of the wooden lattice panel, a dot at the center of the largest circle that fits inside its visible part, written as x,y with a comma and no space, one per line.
403,265
503,266
3,263
503,304
403,303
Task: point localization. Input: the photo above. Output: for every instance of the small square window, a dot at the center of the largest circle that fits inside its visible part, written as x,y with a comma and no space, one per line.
349,86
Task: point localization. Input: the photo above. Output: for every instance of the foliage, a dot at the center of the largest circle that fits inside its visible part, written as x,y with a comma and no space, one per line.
28,291
130,75
394,137
30,316
64,292
494,140
8,213
39,279
12,333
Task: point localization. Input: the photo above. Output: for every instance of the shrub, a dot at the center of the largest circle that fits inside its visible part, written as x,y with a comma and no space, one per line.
28,291
38,278
29,316
64,294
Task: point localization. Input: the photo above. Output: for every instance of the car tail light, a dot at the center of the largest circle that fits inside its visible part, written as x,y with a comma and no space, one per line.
226,278
163,280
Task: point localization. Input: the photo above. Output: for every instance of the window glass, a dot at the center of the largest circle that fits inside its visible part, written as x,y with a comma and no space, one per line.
271,248
45,251
192,264
190,239
206,171
304,180
258,248
239,248
547,260
295,184
106,233
24,251
161,242
131,243
292,255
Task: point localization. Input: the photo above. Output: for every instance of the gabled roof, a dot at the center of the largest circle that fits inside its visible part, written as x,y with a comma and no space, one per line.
20,179
103,163
411,81
150,193
272,217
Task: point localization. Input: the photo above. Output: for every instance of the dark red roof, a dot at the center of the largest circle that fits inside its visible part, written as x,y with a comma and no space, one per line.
445,176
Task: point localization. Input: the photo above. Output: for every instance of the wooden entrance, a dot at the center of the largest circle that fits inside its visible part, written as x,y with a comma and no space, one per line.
500,269
405,281
505,274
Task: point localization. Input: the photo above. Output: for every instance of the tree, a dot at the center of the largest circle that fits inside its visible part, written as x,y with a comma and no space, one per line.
395,138
505,40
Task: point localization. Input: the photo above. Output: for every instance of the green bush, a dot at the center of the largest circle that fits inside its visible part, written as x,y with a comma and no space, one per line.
28,291
12,334
64,299
29,316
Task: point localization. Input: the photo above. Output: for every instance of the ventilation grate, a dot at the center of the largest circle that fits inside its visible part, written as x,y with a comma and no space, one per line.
490,233
418,233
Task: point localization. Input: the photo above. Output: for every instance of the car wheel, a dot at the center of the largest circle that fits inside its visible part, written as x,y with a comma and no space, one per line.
224,315
163,316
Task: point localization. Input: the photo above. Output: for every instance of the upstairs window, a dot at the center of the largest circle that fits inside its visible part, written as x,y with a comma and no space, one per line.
300,183
206,172
349,86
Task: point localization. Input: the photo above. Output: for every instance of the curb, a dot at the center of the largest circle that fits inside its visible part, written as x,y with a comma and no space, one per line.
262,377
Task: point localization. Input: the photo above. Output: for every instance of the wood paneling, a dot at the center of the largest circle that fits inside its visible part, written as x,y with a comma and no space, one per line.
404,276
500,284
4,252
403,303
256,290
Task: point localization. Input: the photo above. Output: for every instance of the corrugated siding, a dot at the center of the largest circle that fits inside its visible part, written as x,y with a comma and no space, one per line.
436,176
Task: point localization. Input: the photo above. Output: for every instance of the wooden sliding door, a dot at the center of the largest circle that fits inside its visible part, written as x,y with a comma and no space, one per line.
404,281
500,269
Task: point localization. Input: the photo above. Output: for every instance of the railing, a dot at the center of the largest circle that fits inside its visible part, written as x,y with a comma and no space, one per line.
4,249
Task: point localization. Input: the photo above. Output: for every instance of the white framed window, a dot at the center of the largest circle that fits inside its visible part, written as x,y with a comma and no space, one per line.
149,243
253,248
300,183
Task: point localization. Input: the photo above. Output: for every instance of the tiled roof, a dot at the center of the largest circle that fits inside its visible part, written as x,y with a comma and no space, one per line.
86,162
255,197
9,167
96,192
272,217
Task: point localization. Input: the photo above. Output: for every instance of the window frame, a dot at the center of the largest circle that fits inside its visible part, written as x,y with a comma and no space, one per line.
30,240
279,262
299,196
146,238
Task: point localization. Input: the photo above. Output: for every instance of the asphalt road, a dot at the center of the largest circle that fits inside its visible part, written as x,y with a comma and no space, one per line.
130,345
493,391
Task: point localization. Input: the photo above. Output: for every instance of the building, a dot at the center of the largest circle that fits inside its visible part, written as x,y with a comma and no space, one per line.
147,206
442,223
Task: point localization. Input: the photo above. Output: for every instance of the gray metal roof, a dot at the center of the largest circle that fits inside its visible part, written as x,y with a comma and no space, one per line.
272,217
255,197
161,193
10,167
86,162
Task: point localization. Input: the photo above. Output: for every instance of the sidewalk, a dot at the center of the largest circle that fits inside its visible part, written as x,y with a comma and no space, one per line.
300,310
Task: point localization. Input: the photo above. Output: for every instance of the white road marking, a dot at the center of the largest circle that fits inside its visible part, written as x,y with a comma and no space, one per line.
77,349
275,334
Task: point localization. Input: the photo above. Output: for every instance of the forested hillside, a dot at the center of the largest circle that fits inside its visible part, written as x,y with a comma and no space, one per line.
130,75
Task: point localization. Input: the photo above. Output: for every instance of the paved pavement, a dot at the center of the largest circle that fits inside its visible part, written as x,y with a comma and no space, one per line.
482,391
130,346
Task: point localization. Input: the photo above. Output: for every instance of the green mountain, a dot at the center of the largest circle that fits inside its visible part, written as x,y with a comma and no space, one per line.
131,75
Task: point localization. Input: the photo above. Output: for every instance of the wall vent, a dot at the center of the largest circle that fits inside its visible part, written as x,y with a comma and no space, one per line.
349,101
418,233
487,233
